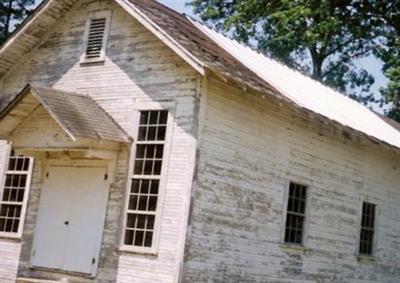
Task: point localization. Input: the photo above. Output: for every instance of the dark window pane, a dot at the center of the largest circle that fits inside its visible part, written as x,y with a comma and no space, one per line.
12,164
144,116
20,164
140,151
144,189
129,237
163,117
154,186
133,202
161,133
141,221
154,117
150,222
143,203
148,167
138,167
152,203
9,225
159,151
151,135
367,228
131,221
6,194
135,186
139,238
15,226
295,214
157,167
148,239
142,135
2,224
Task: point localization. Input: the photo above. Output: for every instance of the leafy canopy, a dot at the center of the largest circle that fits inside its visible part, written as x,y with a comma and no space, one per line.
320,38
386,15
11,13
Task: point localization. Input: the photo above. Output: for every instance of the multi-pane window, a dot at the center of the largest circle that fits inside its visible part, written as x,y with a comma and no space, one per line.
145,181
296,209
367,228
15,193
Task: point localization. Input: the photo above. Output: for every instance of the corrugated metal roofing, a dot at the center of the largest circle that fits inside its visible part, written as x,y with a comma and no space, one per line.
306,92
79,115
224,56
233,60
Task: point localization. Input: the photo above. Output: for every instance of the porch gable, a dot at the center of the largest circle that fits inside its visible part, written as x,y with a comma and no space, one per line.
78,117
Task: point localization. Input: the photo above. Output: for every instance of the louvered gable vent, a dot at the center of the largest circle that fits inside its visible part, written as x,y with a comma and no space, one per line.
95,39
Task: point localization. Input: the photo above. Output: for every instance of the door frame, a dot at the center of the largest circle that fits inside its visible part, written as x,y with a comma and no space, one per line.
110,166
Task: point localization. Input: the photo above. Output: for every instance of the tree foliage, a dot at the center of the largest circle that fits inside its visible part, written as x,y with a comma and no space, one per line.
320,38
386,15
12,12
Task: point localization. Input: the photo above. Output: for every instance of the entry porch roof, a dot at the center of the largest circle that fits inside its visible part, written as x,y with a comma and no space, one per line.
78,115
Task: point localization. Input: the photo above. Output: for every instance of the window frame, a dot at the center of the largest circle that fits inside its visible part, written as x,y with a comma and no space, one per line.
285,214
93,16
29,175
148,106
375,235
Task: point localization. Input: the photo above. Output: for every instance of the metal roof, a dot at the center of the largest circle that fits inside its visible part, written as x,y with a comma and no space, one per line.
306,92
206,49
228,57
78,115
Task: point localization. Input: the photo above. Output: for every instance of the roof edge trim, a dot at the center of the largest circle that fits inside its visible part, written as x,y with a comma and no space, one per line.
25,25
163,36
52,114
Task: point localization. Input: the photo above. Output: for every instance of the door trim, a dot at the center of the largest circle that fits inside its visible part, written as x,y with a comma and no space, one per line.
110,166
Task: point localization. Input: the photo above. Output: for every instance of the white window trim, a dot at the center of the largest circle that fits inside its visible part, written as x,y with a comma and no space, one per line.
308,185
374,201
144,106
18,234
92,16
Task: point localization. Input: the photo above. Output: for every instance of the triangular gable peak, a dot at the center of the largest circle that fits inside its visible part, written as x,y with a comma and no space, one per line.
205,49
79,116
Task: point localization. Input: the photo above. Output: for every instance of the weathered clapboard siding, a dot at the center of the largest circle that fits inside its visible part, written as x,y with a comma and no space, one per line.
10,249
250,149
138,68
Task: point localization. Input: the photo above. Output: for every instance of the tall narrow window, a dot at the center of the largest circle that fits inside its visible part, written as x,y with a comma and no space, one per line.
14,195
367,228
296,210
96,37
145,182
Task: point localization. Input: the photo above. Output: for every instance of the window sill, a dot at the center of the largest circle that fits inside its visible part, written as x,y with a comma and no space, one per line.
138,250
293,248
10,237
366,258
92,61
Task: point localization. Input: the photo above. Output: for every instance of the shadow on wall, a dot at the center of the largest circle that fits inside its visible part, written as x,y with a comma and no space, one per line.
138,67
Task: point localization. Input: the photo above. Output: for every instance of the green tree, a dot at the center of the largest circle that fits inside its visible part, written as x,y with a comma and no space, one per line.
386,15
12,12
320,38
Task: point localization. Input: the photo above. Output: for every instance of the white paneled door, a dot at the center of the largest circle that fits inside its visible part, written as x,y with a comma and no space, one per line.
71,216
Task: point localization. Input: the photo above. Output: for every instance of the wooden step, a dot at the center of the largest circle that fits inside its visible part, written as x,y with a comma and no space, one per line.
35,280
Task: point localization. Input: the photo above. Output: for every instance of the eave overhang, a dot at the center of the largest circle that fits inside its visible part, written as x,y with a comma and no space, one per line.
79,116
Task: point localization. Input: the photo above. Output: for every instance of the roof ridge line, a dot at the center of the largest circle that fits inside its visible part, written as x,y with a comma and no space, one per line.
60,90
269,57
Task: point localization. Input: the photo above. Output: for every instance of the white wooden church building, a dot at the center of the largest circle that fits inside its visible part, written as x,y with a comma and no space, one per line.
138,145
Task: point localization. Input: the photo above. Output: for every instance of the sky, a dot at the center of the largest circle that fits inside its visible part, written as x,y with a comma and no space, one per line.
371,64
